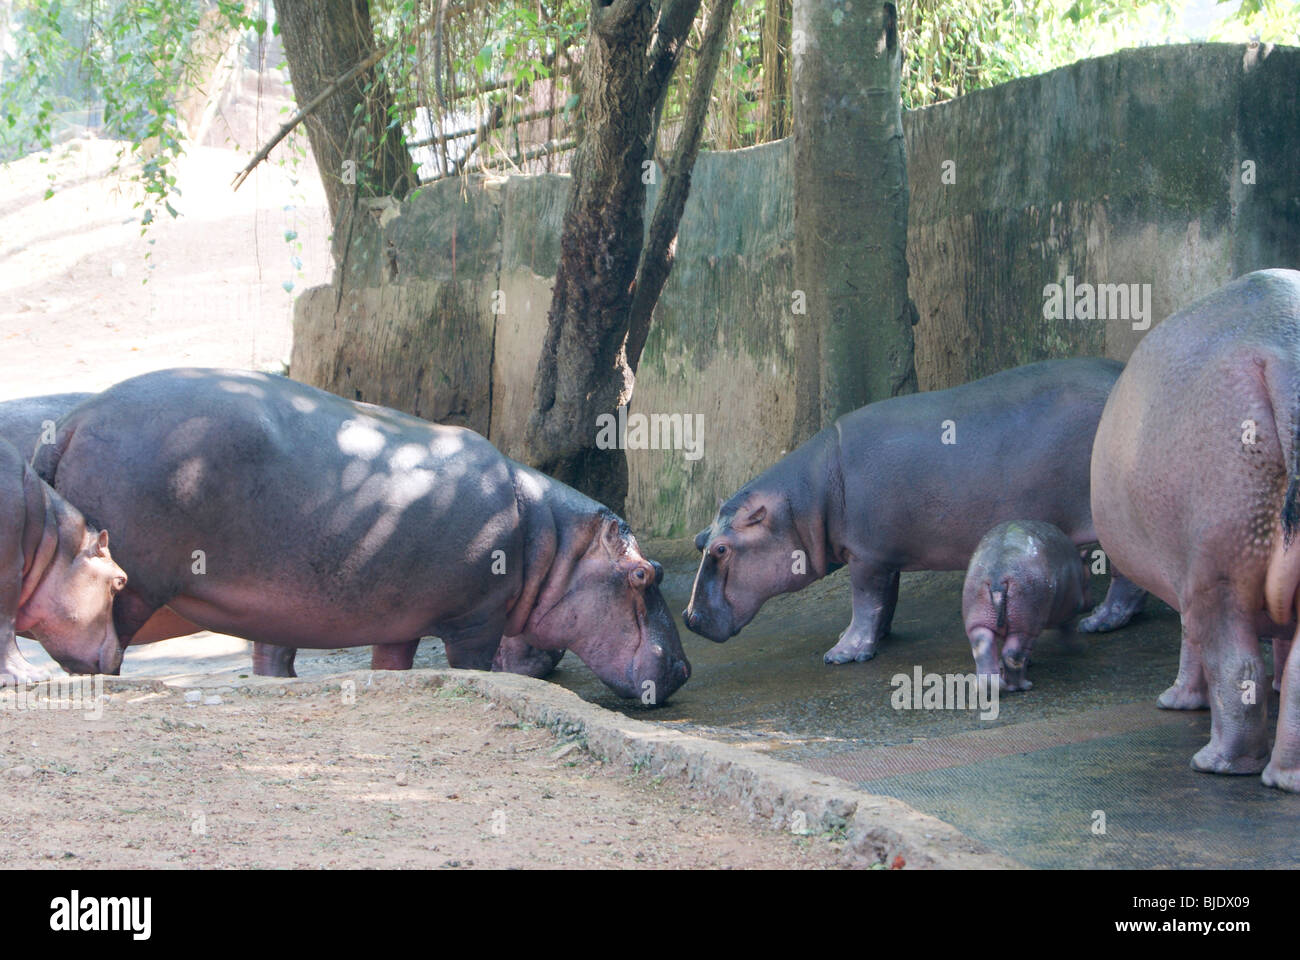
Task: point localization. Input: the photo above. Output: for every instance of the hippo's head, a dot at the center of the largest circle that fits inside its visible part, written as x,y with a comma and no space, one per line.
71,610
752,551
612,615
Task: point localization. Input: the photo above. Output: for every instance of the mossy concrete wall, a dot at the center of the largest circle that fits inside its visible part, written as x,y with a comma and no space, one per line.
1126,169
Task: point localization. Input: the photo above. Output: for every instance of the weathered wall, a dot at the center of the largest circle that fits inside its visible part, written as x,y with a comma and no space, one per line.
1122,169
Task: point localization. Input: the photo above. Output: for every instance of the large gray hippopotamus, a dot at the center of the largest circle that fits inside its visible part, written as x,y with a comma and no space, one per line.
57,577
253,505
910,483
1196,494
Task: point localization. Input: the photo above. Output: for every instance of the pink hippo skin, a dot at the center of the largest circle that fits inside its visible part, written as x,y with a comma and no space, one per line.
23,423
1196,494
57,578
881,491
322,522
1025,577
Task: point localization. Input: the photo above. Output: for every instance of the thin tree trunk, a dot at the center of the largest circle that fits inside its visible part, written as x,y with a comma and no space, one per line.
583,370
355,151
850,179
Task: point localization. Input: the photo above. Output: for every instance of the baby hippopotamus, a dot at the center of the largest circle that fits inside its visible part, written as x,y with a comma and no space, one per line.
57,578
1024,578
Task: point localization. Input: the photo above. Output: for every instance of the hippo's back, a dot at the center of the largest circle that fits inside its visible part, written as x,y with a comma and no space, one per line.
330,499
930,473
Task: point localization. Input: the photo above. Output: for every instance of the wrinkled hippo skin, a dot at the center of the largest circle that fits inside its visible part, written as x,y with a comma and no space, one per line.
256,506
1024,577
1195,494
57,577
881,491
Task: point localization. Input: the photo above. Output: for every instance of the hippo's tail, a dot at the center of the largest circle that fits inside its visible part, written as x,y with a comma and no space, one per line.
999,598
45,461
1283,573
1291,502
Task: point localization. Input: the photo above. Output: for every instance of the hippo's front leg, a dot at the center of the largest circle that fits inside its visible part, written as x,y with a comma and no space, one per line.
14,667
1283,770
875,594
394,656
273,660
1235,674
1189,691
1123,599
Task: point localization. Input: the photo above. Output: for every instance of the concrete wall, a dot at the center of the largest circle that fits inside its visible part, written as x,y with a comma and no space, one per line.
1122,169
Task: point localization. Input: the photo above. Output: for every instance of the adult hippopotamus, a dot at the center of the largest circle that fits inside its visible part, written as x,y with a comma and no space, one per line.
256,506
57,577
910,483
1196,494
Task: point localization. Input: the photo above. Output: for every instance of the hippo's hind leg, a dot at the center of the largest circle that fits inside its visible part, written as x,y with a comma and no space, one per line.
394,656
1283,770
875,595
273,660
1189,691
1123,599
1235,674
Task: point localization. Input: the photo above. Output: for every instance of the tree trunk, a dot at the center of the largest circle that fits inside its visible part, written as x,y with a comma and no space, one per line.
355,151
583,371
851,201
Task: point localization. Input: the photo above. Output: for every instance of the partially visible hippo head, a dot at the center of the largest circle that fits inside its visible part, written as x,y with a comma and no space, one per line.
613,616
71,610
752,552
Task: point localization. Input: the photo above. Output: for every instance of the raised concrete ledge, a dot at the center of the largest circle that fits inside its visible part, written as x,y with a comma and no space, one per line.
880,830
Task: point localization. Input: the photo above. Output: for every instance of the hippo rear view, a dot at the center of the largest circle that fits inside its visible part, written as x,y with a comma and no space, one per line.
256,506
910,483
1196,491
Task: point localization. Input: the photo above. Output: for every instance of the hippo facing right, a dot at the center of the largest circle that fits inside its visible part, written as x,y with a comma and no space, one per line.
1196,495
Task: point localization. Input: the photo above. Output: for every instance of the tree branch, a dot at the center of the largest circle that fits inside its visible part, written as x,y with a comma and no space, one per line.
659,252
320,98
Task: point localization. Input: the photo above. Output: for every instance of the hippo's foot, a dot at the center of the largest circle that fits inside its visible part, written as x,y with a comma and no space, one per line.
854,645
515,656
1283,779
1184,697
1211,759
1015,684
16,671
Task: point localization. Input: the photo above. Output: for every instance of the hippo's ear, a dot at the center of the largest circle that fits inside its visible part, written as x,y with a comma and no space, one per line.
611,537
101,545
754,516
702,539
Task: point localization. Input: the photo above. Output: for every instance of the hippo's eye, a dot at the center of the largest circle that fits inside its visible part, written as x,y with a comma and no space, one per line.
639,574
720,549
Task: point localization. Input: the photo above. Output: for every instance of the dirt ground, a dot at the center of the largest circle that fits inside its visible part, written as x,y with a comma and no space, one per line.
390,781
426,778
